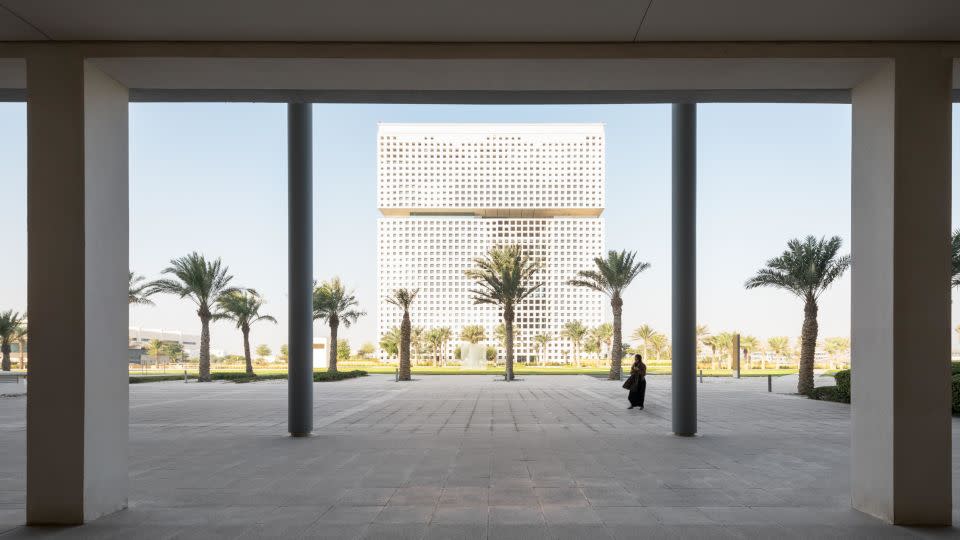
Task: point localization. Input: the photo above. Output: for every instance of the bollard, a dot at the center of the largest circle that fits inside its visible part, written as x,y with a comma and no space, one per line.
396,375
184,376
701,376
769,383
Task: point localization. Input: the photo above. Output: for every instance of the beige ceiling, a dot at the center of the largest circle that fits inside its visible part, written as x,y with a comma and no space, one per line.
480,21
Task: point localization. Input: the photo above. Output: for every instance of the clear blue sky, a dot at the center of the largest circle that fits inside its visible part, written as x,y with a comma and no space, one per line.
211,178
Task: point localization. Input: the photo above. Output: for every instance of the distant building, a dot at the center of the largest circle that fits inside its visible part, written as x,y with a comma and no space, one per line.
321,356
140,337
447,193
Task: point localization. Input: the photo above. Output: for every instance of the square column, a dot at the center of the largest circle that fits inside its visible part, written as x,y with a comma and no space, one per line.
77,222
900,328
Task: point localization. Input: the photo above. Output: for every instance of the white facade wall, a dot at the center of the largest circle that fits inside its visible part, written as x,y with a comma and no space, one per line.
449,192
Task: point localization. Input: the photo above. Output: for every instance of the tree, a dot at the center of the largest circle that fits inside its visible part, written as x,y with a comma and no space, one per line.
343,350
645,335
403,299
263,351
417,343
434,339
139,291
154,348
11,323
834,347
602,335
500,334
660,345
504,277
806,269
780,346
473,333
446,334
574,332
204,283
242,307
702,334
612,275
366,350
750,344
390,342
540,342
20,338
334,304
284,353
172,349
723,343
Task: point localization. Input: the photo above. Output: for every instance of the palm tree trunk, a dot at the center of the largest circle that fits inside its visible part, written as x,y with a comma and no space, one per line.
616,350
332,362
808,345
6,357
246,351
508,330
204,349
405,347
20,345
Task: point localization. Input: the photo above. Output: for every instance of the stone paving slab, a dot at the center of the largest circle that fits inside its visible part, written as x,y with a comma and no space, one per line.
473,457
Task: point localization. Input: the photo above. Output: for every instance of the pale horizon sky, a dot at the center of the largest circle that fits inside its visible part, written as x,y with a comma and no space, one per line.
212,177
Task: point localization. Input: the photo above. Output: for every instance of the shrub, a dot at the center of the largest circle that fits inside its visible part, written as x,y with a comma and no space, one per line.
955,368
955,393
825,393
843,384
326,376
242,377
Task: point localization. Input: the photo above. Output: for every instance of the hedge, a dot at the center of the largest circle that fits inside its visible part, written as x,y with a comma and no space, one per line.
839,393
955,394
137,379
326,376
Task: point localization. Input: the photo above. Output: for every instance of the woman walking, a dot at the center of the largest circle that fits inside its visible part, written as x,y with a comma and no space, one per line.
637,383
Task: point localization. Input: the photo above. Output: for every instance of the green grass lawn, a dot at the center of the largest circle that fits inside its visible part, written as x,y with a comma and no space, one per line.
519,370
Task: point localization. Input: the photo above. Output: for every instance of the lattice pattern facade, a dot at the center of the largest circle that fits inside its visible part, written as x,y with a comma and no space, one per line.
450,192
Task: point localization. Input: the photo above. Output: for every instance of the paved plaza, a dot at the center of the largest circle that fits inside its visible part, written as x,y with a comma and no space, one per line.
447,457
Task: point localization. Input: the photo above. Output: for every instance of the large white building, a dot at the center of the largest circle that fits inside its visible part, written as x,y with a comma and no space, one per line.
449,192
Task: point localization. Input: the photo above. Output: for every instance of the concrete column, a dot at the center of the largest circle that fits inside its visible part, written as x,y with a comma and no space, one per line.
684,283
901,455
300,270
77,223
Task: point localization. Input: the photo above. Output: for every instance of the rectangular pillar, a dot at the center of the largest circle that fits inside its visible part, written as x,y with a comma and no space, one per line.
684,258
77,223
300,268
900,328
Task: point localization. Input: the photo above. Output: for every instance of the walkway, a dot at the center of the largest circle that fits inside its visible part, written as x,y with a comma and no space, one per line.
471,457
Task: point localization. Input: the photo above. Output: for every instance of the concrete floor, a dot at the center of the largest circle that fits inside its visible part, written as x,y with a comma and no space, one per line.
471,457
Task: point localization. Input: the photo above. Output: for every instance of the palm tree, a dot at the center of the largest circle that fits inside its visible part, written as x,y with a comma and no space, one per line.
10,323
724,345
390,342
806,269
418,343
645,334
504,278
750,344
155,347
540,342
574,332
702,334
434,340
836,346
333,303
445,334
243,308
20,338
780,346
603,335
403,299
473,333
660,344
203,282
611,277
138,291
